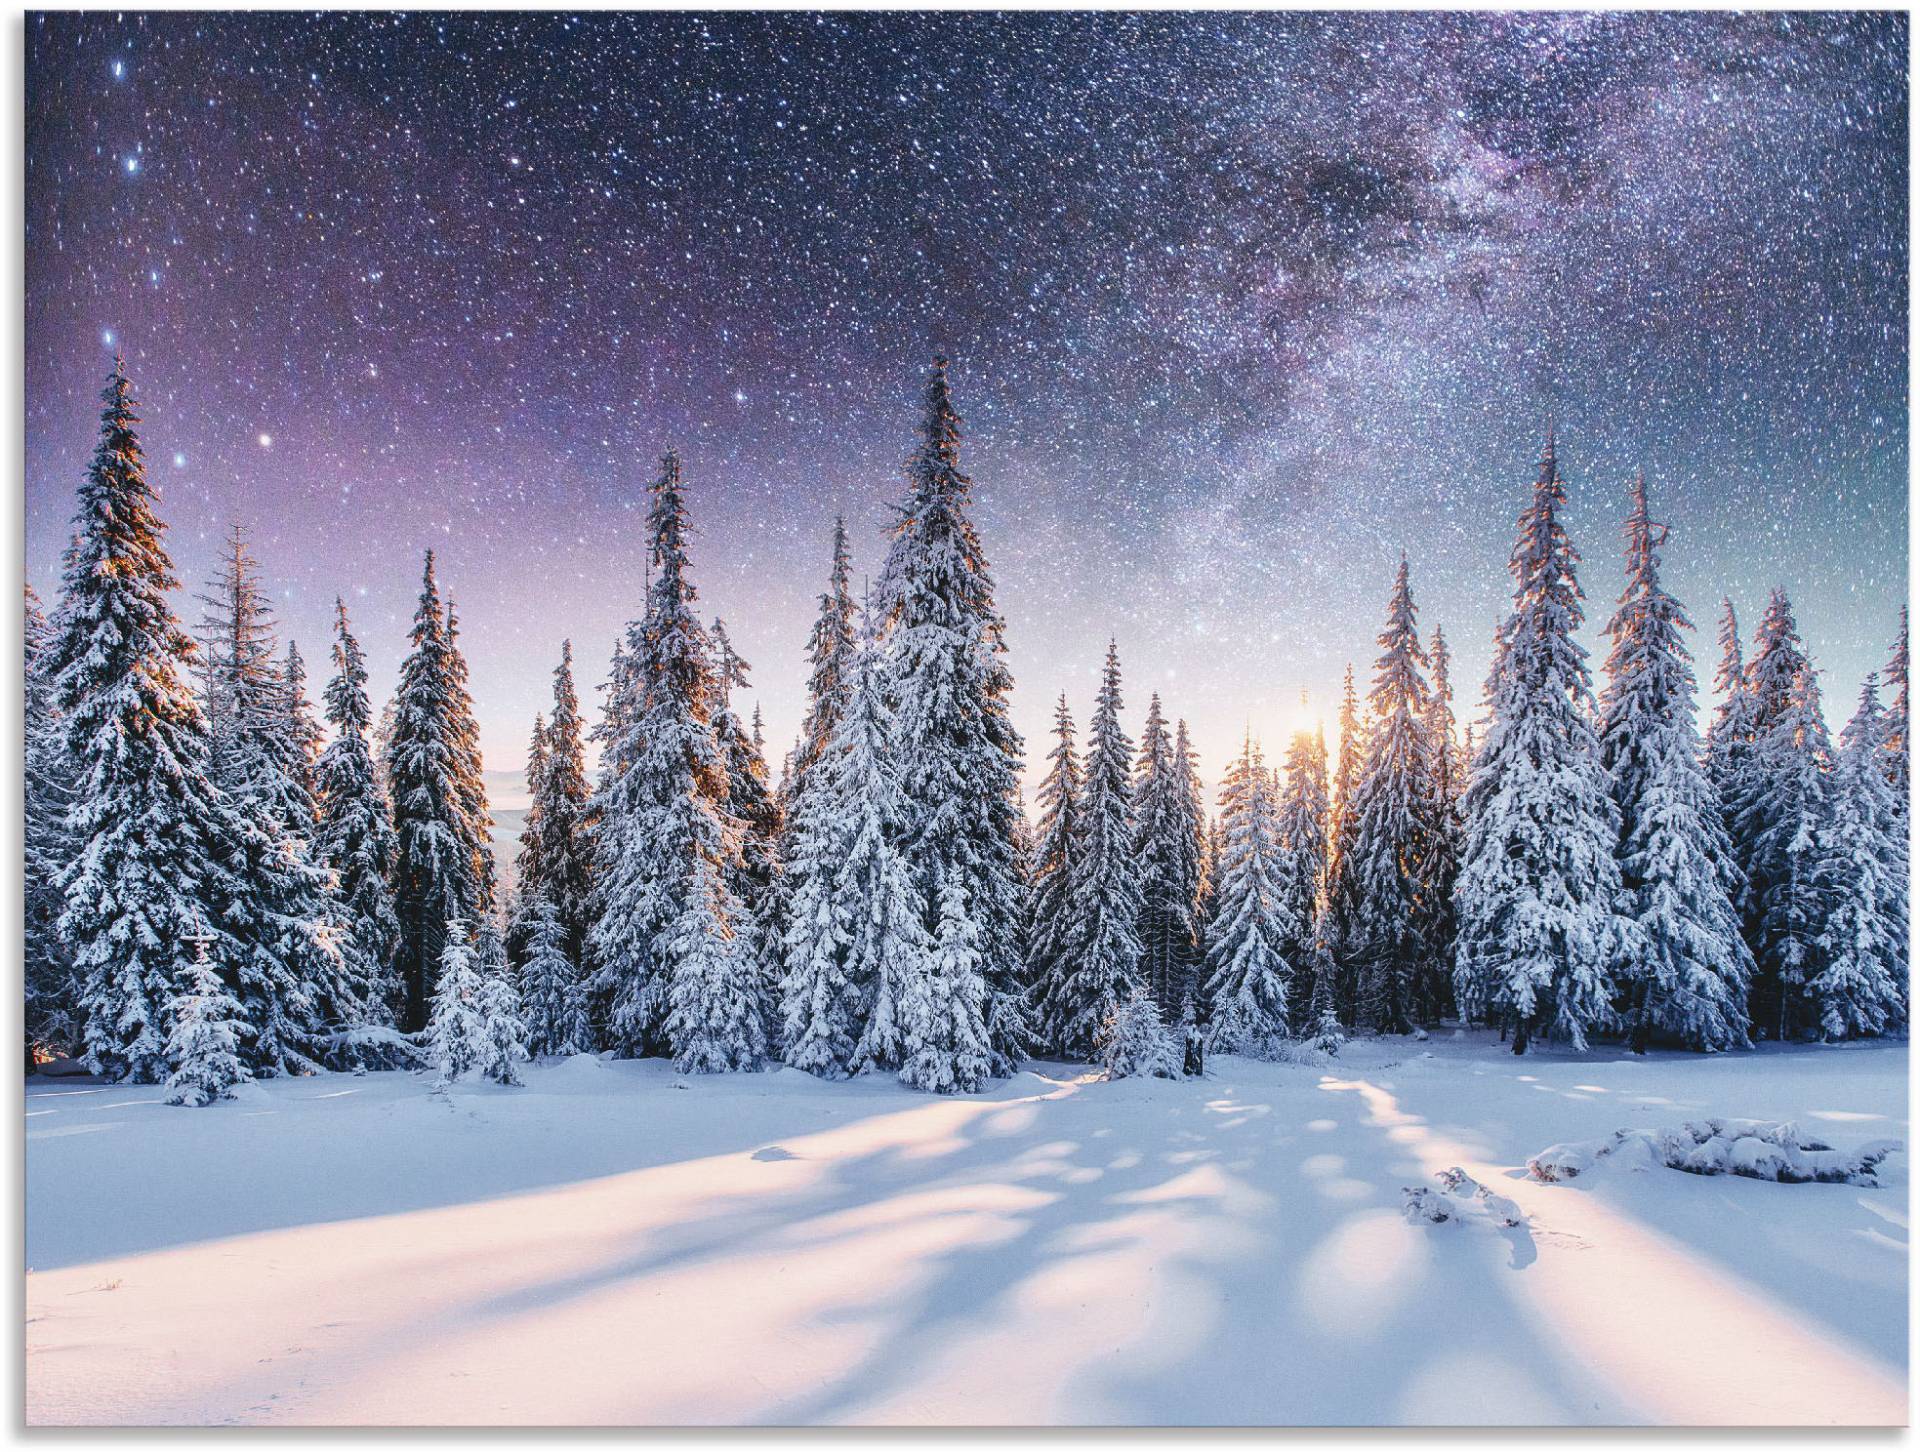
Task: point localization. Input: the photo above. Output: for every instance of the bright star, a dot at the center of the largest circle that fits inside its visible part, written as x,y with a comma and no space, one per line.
106,337
266,441
119,69
179,461
133,165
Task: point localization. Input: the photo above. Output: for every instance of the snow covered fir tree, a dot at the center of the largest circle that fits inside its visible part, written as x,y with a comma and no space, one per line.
225,884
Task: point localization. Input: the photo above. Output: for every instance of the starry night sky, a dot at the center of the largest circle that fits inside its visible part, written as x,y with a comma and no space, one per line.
1239,307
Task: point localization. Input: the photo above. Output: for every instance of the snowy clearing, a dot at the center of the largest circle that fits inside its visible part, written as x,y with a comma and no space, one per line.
614,1244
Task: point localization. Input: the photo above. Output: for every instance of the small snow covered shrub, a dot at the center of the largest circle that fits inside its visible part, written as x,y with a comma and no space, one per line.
457,1029
1436,1208
1754,1149
1136,1044
203,1043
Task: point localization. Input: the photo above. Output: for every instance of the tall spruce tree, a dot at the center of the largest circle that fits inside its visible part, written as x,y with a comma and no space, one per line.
296,969
756,877
1397,824
1248,979
831,646
303,735
1101,962
1442,868
1779,796
528,872
565,829
1539,885
353,831
1861,875
52,1000
1342,904
1899,719
1051,873
1167,849
668,936
144,871
856,941
1683,969
959,752
1302,861
443,866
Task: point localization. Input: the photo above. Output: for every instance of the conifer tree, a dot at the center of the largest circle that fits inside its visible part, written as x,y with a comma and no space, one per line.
1779,794
302,732
557,855
1899,719
143,871
553,997
959,752
1101,960
1342,890
943,1011
1397,824
667,939
529,877
831,646
503,1030
1861,877
1442,866
443,864
1167,848
1730,734
756,876
1539,885
52,1001
856,942
1683,970
1135,1043
1301,866
1248,978
204,1039
1051,872
353,832
457,1037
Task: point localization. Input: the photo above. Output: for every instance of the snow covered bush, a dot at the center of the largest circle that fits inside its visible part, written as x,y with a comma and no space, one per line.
203,1044
1754,1149
1136,1044
457,1040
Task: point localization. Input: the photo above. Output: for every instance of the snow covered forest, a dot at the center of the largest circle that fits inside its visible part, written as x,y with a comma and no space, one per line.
222,888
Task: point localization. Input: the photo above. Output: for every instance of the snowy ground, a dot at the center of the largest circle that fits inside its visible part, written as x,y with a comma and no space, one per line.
613,1244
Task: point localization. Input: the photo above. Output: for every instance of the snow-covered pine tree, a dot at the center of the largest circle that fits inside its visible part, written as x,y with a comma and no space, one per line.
144,866
302,732
1100,964
1779,792
1135,1042
553,999
943,1011
203,1039
1539,885
504,1031
1442,868
1683,969
1050,879
1300,870
469,775
1342,889
667,935
1899,720
1860,956
1193,798
1167,848
955,740
457,1038
353,829
52,999
831,646
755,876
443,863
1248,978
529,879
856,942
1396,813
563,845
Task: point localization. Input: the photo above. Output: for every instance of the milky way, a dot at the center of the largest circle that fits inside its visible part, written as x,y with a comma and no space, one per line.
1239,306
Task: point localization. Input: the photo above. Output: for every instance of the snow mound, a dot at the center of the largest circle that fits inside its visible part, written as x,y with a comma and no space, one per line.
1753,1148
369,1046
1459,1194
